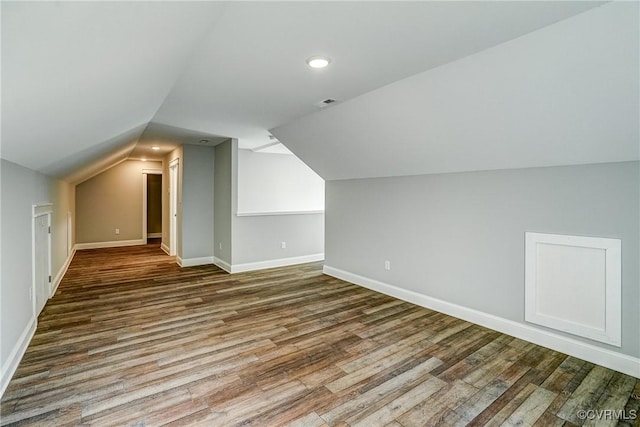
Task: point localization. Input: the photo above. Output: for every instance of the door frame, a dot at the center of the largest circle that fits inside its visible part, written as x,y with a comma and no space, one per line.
146,172
37,211
174,178
69,234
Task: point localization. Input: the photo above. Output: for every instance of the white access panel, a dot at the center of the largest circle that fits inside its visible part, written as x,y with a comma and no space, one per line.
573,284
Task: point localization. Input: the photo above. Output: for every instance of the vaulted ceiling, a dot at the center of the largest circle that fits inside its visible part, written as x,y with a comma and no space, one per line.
89,83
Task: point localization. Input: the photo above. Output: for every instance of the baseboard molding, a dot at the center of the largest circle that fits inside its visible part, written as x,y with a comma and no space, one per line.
222,264
279,213
112,244
62,272
280,262
192,262
154,235
251,266
12,362
600,356
165,248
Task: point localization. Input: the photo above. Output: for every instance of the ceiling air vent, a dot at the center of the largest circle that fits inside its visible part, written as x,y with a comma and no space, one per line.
325,102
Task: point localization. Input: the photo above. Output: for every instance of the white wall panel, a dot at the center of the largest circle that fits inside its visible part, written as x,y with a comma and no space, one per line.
573,284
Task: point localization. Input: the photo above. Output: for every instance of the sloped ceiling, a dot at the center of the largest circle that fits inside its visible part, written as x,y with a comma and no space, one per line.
90,161
75,75
83,81
567,94
250,73
167,138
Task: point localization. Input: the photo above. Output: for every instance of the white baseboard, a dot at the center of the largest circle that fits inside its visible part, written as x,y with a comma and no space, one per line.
281,262
222,264
61,273
165,248
273,213
192,262
112,244
12,362
154,235
601,356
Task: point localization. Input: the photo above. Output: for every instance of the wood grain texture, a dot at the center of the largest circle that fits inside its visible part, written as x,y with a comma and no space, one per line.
133,339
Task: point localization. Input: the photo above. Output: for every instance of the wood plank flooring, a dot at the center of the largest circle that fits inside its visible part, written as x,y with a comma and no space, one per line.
131,339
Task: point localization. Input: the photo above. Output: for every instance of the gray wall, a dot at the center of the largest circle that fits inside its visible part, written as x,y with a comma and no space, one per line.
259,238
248,239
460,237
197,201
21,188
222,200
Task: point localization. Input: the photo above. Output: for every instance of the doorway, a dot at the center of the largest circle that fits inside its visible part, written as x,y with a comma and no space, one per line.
154,206
151,204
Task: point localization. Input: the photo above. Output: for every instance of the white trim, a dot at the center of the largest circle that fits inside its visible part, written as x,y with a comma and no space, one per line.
144,206
154,235
174,185
279,213
165,248
69,234
17,353
62,272
280,262
608,300
222,264
39,210
42,209
112,244
611,359
192,262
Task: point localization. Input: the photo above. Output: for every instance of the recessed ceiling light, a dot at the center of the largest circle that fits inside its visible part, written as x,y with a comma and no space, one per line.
318,61
204,141
155,147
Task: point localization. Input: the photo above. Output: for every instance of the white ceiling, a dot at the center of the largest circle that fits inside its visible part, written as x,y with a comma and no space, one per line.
84,79
78,74
167,138
567,94
249,74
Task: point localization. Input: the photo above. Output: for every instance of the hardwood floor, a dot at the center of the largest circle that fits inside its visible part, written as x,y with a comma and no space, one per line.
132,339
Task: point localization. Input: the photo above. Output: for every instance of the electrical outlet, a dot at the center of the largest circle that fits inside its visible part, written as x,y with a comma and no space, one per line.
220,245
387,265
117,231
283,245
